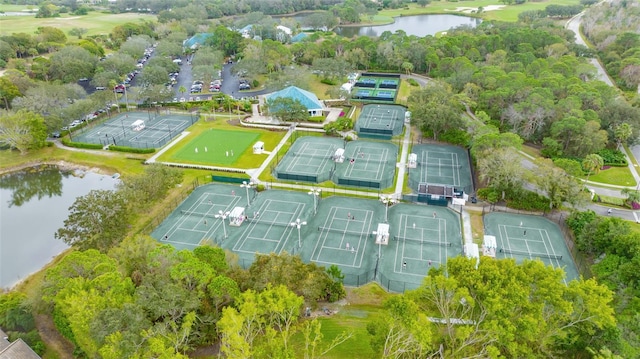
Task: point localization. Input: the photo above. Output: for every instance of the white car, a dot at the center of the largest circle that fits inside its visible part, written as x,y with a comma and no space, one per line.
182,99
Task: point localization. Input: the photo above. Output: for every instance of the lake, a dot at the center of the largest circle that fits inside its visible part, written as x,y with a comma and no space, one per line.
417,25
33,204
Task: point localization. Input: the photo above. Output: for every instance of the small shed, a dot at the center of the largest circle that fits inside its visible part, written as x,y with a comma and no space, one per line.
237,216
489,246
382,234
471,251
407,116
138,125
413,160
258,147
339,155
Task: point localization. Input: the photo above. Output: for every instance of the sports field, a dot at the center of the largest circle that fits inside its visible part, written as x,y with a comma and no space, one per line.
381,119
217,147
309,159
441,165
367,164
121,130
530,237
330,231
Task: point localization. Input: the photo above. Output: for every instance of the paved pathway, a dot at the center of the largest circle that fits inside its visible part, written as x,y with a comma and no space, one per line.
402,165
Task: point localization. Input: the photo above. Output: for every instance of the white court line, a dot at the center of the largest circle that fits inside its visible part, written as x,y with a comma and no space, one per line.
286,233
400,248
297,161
378,172
362,242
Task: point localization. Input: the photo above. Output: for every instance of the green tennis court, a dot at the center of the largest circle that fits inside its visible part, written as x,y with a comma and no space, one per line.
367,164
194,223
310,159
136,129
380,120
217,147
530,237
441,165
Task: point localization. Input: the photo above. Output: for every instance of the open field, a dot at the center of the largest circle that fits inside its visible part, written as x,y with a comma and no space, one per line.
246,160
507,13
95,22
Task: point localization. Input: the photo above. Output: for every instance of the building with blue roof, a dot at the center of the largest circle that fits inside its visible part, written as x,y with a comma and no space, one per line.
306,98
301,36
196,40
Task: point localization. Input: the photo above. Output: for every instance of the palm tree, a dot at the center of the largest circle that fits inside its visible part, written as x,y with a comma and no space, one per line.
182,90
592,163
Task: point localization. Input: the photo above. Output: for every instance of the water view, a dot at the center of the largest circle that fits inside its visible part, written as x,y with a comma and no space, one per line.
417,25
33,204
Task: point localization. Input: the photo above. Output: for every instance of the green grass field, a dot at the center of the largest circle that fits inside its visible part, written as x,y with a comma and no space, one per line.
506,13
95,22
219,136
619,176
218,146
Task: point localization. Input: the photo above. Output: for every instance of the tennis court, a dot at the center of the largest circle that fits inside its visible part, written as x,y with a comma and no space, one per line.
309,159
530,237
136,129
423,237
341,234
376,120
441,165
269,228
194,223
367,164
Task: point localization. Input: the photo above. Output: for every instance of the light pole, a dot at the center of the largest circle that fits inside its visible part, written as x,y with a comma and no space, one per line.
298,224
223,216
387,201
247,185
315,192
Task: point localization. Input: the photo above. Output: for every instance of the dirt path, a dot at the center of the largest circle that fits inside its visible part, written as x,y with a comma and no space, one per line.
50,336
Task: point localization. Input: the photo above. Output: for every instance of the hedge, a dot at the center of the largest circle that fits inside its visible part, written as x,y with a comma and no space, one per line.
91,146
612,157
131,149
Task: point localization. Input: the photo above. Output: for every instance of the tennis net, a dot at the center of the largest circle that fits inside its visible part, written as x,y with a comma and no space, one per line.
423,241
200,214
530,254
268,223
439,164
342,231
314,155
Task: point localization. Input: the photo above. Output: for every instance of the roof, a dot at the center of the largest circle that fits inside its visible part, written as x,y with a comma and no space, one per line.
301,36
284,29
197,40
306,98
16,350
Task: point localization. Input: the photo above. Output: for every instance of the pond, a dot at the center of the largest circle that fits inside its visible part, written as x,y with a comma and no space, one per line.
33,204
417,25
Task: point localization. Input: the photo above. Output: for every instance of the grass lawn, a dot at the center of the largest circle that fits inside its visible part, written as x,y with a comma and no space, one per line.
95,22
619,176
217,146
219,137
507,13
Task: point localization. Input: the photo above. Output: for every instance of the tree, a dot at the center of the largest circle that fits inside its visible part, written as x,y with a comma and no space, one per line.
78,31
559,186
501,169
622,132
152,185
592,164
8,91
97,220
287,109
22,130
436,109
72,63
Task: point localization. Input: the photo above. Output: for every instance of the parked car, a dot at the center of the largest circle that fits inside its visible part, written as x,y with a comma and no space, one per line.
55,134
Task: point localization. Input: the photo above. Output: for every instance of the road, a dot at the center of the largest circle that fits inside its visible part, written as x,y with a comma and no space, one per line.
574,25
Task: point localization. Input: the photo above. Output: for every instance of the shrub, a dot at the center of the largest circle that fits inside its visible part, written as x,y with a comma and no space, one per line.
91,146
329,82
527,201
456,137
612,157
131,149
413,82
317,119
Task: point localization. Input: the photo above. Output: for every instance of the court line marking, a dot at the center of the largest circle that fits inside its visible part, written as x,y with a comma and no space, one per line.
403,227
362,242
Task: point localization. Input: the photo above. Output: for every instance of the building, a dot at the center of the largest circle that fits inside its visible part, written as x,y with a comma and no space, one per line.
306,98
196,40
16,350
299,37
